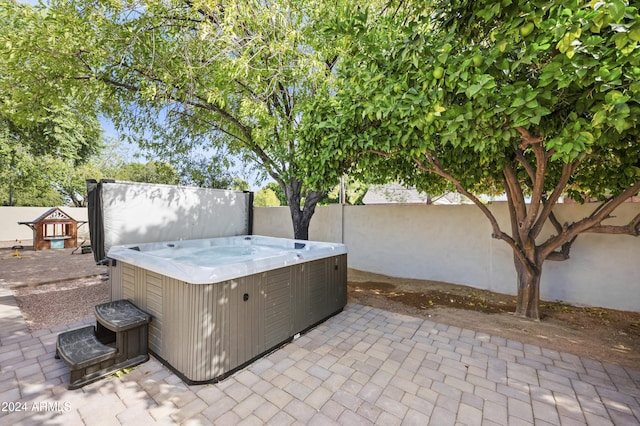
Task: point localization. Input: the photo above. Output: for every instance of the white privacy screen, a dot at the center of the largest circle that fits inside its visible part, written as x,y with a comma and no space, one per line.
140,213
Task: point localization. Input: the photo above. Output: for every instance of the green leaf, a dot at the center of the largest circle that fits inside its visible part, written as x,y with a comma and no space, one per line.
473,90
532,104
586,138
634,33
517,102
616,9
616,97
621,40
599,118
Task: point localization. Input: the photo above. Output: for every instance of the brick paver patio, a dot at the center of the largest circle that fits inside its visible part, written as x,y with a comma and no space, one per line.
363,366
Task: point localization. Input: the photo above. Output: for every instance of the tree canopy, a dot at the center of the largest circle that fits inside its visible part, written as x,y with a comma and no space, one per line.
533,99
40,135
266,197
37,151
188,75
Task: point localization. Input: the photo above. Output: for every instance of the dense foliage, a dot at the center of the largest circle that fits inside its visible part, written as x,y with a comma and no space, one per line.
534,99
38,151
266,197
187,76
44,132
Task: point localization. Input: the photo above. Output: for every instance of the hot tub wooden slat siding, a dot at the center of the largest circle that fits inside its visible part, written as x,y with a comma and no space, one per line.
199,331
277,315
219,329
318,295
337,281
115,278
204,331
246,339
128,282
153,306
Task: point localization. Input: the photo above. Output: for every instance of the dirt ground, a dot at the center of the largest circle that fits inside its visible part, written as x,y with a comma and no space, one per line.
606,335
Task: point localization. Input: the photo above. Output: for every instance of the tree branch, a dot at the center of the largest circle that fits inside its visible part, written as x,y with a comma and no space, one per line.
537,188
248,89
527,139
286,100
548,203
593,223
526,164
632,228
514,191
563,254
555,222
513,215
497,232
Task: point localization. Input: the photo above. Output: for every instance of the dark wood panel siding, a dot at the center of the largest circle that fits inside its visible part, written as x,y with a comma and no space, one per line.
340,280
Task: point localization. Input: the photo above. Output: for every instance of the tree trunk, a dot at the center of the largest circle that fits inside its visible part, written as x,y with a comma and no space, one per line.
301,212
300,223
528,290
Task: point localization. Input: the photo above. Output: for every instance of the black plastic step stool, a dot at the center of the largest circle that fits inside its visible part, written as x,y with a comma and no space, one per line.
85,355
119,340
123,323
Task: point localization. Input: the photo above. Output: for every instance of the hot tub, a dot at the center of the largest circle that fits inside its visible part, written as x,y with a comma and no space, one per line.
220,303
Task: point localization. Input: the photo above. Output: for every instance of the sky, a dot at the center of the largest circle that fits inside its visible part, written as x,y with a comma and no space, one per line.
110,132
133,153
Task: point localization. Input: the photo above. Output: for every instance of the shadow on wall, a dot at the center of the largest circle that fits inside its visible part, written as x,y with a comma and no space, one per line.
141,213
454,244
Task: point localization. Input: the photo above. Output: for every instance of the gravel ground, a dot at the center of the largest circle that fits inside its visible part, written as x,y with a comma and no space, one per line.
52,287
49,305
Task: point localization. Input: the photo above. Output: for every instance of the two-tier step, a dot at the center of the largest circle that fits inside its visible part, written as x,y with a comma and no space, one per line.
119,340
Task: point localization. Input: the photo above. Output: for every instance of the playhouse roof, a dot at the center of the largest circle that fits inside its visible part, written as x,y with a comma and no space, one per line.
53,214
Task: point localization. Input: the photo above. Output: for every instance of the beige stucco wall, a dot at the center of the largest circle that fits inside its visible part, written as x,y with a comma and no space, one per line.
10,216
276,222
444,243
454,244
